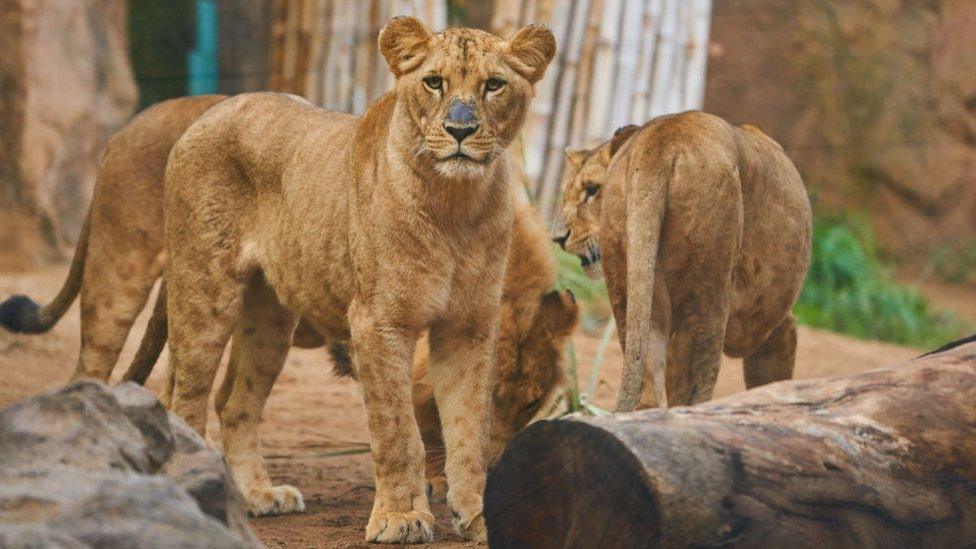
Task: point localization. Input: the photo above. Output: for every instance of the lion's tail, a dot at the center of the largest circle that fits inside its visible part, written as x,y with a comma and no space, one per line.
646,203
152,341
21,314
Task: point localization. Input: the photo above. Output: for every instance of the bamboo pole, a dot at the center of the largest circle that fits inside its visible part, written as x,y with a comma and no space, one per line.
664,59
628,51
290,58
319,38
536,129
677,90
279,15
698,55
559,122
601,89
584,81
645,66
505,17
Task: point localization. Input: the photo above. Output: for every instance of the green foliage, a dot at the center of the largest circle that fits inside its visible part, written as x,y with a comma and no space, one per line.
849,290
595,315
590,294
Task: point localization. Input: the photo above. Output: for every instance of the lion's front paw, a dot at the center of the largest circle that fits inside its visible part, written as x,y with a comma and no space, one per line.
471,529
392,527
277,500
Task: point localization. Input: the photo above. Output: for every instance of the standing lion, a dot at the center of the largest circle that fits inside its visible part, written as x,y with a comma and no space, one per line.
373,229
704,233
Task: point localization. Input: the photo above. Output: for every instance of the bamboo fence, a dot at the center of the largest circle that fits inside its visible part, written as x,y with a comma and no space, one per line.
619,62
325,50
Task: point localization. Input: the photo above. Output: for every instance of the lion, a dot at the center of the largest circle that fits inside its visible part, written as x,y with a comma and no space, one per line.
373,229
123,244
709,223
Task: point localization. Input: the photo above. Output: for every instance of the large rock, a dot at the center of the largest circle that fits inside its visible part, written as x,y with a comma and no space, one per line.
93,466
65,87
875,100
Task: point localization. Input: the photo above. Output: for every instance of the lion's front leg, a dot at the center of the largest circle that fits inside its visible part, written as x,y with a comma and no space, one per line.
461,372
382,353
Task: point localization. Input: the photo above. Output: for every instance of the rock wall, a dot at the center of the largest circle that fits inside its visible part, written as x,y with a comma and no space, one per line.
875,100
65,86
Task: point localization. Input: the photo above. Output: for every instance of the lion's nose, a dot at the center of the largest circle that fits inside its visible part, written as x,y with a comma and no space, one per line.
561,239
460,132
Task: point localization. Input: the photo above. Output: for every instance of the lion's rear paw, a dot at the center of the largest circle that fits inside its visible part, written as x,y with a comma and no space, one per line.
472,529
277,500
391,527
437,489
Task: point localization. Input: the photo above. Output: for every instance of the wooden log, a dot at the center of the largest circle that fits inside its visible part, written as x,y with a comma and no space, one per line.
885,458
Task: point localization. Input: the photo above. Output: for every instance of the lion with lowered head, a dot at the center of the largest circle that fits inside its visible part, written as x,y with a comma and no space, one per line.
373,229
703,231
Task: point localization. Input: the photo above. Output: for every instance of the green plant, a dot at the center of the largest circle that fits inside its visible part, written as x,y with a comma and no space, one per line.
849,290
590,294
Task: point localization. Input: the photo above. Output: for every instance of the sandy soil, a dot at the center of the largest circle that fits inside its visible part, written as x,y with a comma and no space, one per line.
315,428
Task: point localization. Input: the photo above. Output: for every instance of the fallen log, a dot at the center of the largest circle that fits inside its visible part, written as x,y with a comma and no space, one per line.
880,459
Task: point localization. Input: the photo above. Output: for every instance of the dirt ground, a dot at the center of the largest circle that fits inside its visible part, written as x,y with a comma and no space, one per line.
315,430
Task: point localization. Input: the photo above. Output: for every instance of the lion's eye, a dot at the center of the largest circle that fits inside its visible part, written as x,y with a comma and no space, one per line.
494,84
591,190
434,82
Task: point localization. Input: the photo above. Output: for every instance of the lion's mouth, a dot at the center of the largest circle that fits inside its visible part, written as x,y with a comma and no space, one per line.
460,156
590,256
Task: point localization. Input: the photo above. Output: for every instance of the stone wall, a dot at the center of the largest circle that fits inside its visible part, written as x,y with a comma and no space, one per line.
65,86
875,100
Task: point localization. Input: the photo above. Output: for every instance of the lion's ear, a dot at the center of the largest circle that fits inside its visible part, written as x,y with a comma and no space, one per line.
620,137
576,157
404,42
559,311
530,51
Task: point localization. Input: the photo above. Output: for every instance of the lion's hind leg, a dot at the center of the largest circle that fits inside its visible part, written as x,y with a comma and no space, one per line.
775,358
258,353
203,303
116,284
697,339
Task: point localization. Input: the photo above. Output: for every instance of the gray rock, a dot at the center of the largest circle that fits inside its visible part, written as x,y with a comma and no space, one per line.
149,416
80,425
186,439
89,466
204,476
36,536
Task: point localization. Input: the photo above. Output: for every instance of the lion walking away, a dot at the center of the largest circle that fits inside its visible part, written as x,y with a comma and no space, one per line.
703,231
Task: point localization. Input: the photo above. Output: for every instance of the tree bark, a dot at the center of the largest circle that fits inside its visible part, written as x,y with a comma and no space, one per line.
880,459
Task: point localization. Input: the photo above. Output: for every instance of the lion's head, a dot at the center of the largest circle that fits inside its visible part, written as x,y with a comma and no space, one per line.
577,226
466,91
529,375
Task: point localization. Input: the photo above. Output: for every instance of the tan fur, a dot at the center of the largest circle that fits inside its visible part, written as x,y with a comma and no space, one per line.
704,231
374,231
531,339
532,332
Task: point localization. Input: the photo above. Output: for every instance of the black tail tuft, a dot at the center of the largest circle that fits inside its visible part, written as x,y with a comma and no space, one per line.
21,315
942,349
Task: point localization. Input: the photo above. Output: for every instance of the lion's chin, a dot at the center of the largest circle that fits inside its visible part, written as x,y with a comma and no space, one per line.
593,271
461,167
